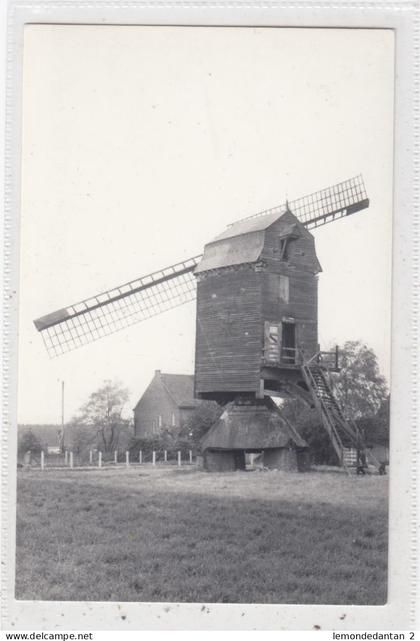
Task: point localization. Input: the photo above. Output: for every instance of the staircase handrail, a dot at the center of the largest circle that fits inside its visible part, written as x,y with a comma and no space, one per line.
317,357
325,415
349,426
307,363
321,388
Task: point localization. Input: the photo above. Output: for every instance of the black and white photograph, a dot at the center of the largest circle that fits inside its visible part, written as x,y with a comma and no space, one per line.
210,423
204,388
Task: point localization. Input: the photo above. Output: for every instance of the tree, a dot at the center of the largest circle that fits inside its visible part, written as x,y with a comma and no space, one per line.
383,420
100,422
80,438
200,421
308,423
360,387
185,438
376,428
172,443
29,442
362,394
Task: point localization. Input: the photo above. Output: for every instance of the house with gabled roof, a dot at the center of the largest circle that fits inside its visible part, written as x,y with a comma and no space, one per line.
167,403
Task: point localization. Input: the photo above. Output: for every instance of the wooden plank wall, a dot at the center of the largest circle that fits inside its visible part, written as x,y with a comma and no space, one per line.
233,304
302,306
301,251
301,268
229,331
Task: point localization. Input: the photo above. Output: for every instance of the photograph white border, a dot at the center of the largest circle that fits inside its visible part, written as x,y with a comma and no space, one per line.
400,612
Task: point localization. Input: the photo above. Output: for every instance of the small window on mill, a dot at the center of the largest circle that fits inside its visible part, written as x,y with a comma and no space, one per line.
284,288
283,248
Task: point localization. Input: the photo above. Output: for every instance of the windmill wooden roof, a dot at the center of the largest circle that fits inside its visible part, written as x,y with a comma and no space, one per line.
243,242
250,225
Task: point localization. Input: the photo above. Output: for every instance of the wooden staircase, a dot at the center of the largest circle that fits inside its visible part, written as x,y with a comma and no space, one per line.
345,436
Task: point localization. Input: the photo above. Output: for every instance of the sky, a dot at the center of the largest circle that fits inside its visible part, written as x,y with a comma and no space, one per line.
140,144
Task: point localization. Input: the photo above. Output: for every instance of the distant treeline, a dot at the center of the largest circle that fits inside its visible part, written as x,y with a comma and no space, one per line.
46,433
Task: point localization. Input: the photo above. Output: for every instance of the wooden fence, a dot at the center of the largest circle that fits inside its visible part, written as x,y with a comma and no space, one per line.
94,458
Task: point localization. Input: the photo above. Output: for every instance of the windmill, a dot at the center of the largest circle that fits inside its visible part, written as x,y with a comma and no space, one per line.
256,328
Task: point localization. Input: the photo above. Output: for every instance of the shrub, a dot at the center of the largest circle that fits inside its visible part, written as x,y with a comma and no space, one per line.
29,442
158,444
200,421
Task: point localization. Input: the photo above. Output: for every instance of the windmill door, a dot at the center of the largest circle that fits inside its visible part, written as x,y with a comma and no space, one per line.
280,343
288,340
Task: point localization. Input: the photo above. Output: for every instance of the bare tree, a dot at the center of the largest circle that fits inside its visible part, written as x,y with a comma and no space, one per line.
100,419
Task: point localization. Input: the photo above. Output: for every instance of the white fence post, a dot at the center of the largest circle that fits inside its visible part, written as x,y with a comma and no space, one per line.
42,460
100,459
153,458
127,458
179,458
140,457
90,457
191,457
66,458
116,457
165,456
71,459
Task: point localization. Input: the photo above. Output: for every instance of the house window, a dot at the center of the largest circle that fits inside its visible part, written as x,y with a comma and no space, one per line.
173,419
160,421
284,288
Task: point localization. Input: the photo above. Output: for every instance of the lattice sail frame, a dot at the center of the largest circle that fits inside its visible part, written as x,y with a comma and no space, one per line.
324,206
109,312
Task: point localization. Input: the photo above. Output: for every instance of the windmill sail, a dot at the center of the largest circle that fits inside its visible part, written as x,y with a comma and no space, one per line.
106,313
325,206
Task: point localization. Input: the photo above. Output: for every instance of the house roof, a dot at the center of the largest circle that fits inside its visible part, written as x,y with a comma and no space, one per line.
243,242
181,388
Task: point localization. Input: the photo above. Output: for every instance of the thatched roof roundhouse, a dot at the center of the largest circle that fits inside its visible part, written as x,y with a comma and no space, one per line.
252,427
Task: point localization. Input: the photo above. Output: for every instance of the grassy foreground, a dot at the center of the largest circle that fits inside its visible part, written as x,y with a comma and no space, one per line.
167,534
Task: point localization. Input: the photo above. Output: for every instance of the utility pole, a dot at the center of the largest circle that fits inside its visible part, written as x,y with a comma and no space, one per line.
62,409
61,432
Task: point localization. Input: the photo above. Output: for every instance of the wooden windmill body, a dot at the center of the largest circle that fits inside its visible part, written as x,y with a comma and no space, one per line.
256,330
257,316
256,305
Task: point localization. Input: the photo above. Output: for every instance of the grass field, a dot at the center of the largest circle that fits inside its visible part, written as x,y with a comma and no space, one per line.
168,534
